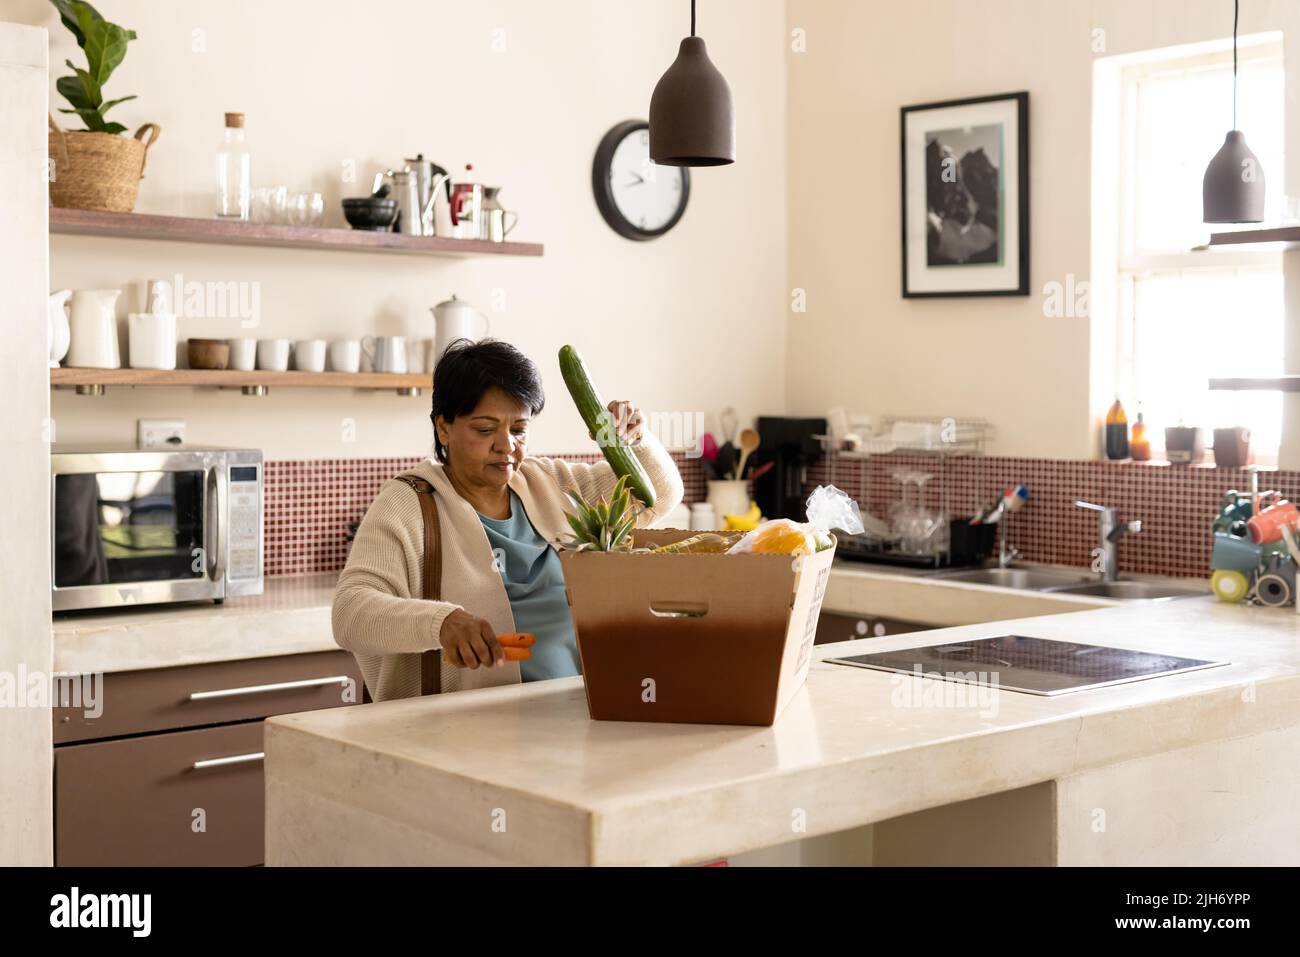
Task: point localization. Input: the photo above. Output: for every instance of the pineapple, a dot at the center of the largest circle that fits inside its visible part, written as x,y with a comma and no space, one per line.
605,526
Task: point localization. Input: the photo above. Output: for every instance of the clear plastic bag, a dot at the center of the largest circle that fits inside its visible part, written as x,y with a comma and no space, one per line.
828,508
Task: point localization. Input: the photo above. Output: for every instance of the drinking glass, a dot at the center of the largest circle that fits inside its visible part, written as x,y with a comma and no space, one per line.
316,209
269,204
306,209
299,210
920,530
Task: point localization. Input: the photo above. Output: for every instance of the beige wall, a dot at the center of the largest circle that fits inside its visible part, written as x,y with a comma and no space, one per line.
860,344
26,755
689,322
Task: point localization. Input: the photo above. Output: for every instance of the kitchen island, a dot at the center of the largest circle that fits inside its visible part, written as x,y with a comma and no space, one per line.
1196,768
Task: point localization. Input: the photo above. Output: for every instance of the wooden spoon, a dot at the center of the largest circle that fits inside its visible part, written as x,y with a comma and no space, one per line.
748,443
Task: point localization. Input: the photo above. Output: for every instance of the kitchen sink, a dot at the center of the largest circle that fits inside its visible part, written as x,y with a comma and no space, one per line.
1131,591
1065,581
1029,579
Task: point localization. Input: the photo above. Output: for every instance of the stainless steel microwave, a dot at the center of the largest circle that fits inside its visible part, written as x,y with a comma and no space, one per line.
144,526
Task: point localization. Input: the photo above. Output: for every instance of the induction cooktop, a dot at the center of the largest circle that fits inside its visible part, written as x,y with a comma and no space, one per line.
1040,666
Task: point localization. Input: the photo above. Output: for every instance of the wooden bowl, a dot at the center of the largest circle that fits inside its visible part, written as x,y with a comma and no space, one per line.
208,353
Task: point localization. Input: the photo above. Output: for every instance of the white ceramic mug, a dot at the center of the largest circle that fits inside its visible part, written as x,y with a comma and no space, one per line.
243,354
309,355
386,353
345,355
93,326
151,341
273,354
417,355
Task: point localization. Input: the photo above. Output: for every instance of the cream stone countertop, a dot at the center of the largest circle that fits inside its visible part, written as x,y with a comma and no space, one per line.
291,616
424,780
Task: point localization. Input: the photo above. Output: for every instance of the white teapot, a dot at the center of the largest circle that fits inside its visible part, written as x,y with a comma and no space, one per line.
457,319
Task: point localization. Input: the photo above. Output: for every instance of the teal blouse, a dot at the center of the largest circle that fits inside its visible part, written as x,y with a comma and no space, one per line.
534,583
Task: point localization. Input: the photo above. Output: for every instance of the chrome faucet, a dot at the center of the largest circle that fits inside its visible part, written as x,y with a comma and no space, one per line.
1006,553
1109,531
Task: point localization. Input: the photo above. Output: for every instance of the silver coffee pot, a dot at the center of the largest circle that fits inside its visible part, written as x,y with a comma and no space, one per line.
403,186
417,188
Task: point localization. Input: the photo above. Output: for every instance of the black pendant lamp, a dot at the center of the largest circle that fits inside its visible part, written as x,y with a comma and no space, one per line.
1233,189
692,121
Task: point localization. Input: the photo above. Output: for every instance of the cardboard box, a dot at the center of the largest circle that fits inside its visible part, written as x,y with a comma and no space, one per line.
699,639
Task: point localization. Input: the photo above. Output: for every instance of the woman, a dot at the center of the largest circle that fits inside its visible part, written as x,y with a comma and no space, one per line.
497,511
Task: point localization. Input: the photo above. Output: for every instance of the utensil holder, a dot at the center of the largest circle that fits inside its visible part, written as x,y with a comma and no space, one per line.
970,544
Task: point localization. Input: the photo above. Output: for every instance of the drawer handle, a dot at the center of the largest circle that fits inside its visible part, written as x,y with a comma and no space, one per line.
233,759
266,689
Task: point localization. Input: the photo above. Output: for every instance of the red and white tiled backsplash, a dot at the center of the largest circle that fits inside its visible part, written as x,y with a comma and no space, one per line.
1176,504
309,504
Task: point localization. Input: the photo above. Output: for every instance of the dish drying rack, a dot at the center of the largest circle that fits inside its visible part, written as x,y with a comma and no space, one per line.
918,435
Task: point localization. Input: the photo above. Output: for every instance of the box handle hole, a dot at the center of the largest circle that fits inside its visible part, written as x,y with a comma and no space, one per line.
679,609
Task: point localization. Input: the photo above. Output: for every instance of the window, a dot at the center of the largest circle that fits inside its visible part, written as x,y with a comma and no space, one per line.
1186,315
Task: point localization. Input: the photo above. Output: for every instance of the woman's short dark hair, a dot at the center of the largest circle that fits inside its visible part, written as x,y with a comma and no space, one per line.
467,369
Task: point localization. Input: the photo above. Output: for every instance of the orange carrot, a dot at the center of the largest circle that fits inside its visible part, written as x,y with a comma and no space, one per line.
517,654
517,640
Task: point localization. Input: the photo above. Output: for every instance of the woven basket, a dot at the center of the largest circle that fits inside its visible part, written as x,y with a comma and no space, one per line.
98,170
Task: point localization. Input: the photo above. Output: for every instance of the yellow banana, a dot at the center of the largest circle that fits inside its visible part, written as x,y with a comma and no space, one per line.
747,522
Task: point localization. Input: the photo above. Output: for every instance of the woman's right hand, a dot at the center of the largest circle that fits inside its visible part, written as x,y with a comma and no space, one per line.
469,642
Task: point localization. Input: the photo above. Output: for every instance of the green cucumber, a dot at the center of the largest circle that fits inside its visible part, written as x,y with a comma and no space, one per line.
592,409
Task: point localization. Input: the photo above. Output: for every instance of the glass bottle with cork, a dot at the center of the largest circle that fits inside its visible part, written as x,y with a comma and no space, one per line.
233,171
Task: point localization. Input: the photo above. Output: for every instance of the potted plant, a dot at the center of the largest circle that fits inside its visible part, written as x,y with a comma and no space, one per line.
95,168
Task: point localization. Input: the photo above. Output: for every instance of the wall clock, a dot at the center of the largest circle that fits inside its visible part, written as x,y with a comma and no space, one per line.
638,198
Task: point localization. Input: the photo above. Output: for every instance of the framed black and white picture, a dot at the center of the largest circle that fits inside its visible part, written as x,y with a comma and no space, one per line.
966,197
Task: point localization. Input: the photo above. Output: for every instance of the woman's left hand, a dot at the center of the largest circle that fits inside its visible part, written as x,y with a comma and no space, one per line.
629,424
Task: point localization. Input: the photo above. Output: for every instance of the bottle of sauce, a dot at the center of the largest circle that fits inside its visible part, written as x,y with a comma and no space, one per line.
1139,444
1116,433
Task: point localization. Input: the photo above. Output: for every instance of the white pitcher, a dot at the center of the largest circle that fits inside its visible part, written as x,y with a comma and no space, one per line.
60,335
456,319
94,330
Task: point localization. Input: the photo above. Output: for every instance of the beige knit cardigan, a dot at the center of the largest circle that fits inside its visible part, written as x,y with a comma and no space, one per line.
378,613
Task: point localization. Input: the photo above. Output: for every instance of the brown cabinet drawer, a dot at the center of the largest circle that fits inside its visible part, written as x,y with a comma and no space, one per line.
134,802
164,699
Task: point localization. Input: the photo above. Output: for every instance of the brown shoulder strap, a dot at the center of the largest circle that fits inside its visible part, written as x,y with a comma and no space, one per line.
430,661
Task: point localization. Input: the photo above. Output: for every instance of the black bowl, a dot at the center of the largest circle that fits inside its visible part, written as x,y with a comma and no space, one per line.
370,212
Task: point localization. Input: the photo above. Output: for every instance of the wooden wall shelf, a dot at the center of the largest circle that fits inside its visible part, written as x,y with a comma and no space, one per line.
1283,383
95,380
83,222
1288,235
